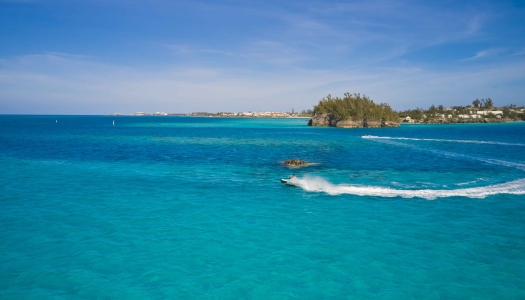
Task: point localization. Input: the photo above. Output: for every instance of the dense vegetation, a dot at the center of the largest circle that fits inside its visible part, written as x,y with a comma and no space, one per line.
355,107
510,112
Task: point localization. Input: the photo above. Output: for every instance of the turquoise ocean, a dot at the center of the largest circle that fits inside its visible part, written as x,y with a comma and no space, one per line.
193,208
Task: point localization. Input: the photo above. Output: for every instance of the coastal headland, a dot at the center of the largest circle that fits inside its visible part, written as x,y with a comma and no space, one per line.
353,111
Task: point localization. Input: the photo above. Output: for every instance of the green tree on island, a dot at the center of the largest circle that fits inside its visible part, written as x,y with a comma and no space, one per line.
355,107
488,103
432,110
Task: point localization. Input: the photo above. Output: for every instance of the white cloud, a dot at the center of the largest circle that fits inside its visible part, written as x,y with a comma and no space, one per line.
485,54
48,84
522,52
307,52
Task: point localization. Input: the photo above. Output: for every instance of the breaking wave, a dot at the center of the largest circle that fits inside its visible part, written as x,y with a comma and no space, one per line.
443,140
317,184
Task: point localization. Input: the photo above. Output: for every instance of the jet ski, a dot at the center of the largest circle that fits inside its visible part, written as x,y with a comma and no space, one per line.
287,181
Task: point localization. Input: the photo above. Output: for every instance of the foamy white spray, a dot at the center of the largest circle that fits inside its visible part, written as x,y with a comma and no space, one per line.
317,184
516,187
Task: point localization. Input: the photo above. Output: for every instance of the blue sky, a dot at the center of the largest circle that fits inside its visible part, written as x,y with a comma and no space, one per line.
99,57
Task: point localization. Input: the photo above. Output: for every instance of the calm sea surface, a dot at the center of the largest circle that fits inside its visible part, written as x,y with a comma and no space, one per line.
192,208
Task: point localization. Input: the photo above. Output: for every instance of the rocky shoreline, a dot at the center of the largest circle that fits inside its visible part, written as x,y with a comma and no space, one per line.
326,120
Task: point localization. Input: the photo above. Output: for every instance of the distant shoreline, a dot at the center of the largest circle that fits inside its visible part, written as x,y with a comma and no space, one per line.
223,117
462,123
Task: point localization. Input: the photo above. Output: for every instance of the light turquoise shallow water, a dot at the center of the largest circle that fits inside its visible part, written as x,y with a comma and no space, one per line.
192,208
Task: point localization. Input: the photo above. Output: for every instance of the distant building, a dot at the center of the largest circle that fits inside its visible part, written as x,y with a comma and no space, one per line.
494,112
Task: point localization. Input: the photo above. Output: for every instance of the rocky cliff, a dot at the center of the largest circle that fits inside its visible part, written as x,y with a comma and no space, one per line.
327,120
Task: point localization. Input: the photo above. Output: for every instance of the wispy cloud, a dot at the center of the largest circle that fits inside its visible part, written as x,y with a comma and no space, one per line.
519,53
485,54
29,84
369,30
192,49
273,52
474,26
257,51
246,56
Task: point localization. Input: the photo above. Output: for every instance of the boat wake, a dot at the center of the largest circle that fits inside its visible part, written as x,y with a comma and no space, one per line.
317,184
516,187
457,155
442,140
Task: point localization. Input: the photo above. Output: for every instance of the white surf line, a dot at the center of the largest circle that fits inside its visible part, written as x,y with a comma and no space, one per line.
443,140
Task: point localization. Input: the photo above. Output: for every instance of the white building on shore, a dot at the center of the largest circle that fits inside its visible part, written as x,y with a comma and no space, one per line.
494,112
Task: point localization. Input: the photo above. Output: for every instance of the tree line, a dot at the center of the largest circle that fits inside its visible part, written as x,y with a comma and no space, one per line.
360,107
509,111
355,107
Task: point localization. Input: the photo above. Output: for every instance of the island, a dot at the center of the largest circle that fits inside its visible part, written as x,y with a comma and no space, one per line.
353,111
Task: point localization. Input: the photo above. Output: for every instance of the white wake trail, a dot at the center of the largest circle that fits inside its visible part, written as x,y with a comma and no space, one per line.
457,155
317,184
443,140
516,187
